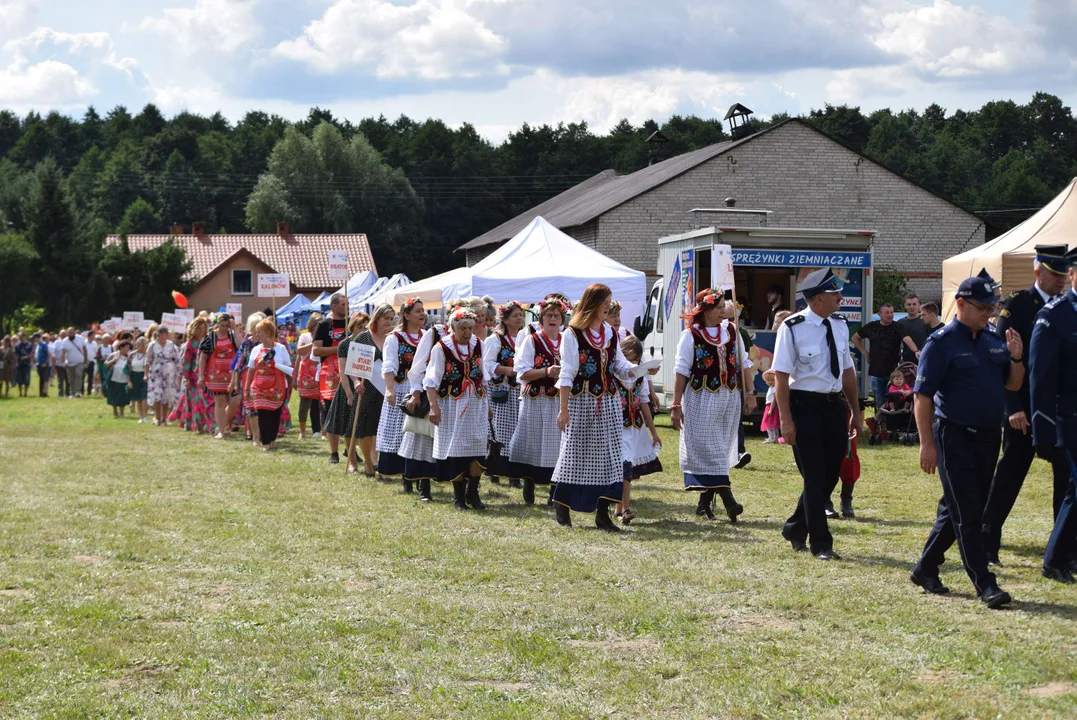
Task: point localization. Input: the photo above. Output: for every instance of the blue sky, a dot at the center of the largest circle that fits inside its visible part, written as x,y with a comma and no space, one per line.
499,63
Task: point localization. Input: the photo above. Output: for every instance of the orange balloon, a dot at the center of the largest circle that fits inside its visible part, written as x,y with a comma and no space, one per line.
180,298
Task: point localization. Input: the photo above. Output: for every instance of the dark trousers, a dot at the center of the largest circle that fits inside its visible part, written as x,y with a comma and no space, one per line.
966,462
43,373
89,377
313,406
740,433
1017,454
1062,545
822,434
269,425
61,380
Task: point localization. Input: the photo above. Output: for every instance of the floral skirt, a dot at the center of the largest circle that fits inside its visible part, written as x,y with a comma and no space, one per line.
194,412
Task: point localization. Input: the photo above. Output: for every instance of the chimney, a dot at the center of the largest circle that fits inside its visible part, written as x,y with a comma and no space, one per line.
175,230
198,229
282,230
730,202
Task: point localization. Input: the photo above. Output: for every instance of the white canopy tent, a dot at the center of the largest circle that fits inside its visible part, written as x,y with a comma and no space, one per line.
376,292
434,291
1008,258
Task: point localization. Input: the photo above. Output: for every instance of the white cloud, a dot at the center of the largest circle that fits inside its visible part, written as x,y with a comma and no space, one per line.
210,25
95,46
48,84
429,39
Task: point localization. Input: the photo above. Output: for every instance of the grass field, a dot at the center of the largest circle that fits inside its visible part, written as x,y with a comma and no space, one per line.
150,573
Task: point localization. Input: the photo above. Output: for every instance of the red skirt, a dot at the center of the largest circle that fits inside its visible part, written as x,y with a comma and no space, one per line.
772,419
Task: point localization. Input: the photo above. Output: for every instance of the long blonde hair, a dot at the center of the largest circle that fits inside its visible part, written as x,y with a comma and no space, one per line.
589,305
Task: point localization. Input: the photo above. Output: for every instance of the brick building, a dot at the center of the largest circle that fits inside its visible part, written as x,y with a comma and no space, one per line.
226,267
803,176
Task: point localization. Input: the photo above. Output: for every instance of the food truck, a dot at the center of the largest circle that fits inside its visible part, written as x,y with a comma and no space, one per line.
762,257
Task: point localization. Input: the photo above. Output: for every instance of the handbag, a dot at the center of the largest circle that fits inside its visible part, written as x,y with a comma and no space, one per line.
499,395
421,410
418,425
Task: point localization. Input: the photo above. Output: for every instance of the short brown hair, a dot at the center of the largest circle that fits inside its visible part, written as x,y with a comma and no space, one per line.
930,307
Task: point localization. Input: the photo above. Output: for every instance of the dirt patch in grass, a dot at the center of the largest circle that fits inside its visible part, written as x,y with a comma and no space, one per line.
89,559
638,646
1053,690
143,671
171,623
214,607
937,676
359,585
220,591
504,686
12,592
748,623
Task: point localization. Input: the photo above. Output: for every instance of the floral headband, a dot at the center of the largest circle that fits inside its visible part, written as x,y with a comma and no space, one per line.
410,303
463,314
705,303
553,302
508,308
566,304
615,306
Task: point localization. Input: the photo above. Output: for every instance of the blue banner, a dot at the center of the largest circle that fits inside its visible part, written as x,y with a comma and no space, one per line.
802,258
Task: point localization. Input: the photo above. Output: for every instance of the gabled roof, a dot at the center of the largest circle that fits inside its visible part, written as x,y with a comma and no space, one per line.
607,190
303,257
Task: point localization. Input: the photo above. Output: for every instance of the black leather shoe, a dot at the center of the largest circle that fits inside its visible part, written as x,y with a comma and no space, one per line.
831,513
992,559
564,517
995,597
828,555
407,487
703,507
931,585
529,492
1062,575
459,491
798,545
743,460
603,521
334,459
424,491
733,511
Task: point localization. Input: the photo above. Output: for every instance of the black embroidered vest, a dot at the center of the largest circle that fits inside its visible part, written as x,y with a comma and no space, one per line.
544,358
630,404
595,374
506,355
713,365
405,357
461,373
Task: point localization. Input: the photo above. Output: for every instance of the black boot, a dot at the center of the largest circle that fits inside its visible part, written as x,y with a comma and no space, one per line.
847,501
424,491
473,498
703,507
407,487
602,517
564,518
459,491
732,507
495,479
515,483
529,492
549,498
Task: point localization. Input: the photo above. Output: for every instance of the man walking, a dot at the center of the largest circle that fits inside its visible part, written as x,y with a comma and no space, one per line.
963,372
813,370
1019,312
73,358
1054,415
44,367
24,350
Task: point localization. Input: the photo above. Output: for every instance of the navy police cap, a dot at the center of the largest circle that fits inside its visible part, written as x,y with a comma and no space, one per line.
981,289
1052,257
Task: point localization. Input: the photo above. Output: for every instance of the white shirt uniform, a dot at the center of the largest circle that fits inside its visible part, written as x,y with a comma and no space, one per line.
801,350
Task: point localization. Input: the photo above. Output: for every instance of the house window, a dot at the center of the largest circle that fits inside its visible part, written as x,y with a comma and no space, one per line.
242,282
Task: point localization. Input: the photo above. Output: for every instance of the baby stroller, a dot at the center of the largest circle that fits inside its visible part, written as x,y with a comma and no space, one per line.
895,419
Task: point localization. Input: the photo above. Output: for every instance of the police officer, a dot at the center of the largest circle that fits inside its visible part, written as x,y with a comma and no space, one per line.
1019,312
813,370
1053,372
964,368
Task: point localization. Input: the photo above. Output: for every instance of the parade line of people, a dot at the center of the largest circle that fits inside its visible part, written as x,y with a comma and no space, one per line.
564,402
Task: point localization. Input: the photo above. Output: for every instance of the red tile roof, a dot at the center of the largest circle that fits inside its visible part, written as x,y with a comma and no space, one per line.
303,257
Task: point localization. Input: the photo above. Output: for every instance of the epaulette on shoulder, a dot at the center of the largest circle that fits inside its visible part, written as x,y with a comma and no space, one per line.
839,316
1014,294
794,320
1055,302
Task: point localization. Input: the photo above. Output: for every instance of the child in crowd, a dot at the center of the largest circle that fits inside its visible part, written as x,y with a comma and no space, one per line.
772,421
639,438
898,386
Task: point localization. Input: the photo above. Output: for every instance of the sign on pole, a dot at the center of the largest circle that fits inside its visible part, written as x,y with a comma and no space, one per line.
173,323
360,362
131,320
145,325
273,285
234,309
722,267
338,266
186,313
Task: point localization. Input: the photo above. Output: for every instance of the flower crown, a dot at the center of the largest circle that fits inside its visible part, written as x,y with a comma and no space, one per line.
462,314
615,306
410,303
554,302
508,308
566,304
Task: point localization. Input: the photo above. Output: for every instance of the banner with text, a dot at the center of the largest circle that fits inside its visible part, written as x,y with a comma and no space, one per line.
802,258
722,267
131,320
186,313
360,362
173,323
235,310
338,266
273,285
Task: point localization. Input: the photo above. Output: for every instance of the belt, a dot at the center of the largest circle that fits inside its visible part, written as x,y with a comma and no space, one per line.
973,431
818,397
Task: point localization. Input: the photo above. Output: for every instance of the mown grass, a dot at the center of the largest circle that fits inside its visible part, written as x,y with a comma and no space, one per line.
146,572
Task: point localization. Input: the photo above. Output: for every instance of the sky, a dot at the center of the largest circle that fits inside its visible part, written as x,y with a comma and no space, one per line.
499,63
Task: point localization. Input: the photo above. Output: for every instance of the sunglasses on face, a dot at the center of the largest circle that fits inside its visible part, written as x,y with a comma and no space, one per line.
989,307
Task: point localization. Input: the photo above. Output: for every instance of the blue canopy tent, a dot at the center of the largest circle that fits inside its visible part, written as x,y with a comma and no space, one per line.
376,294
319,304
290,310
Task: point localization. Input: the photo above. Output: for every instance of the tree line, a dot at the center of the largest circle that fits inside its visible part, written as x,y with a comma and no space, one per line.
418,189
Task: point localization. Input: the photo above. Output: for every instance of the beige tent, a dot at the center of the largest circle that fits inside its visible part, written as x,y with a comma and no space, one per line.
1009,256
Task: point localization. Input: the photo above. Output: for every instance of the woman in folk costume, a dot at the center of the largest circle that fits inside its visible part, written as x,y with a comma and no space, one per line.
536,441
215,373
399,354
614,319
341,413
195,408
499,357
711,369
639,438
239,375
455,383
590,466
265,386
306,381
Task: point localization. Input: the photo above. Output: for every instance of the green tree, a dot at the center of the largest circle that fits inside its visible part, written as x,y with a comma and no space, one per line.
144,280
17,257
140,219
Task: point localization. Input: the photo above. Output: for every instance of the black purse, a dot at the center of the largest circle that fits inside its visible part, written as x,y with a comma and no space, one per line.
499,394
421,410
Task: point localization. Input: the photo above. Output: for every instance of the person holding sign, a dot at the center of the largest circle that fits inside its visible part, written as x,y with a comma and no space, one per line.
499,356
371,399
266,382
341,413
455,384
399,353
218,349
327,337
713,368
590,465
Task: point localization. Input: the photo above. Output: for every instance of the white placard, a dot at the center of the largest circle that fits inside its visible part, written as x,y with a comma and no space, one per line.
173,323
131,320
378,380
360,362
111,325
145,325
645,367
186,313
234,309
273,285
722,267
338,266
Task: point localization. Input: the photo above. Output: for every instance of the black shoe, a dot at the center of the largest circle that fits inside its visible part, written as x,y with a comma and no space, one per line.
407,487
459,491
703,507
1062,575
495,479
744,459
1072,566
334,459
931,585
798,545
995,597
529,492
564,517
603,520
831,513
473,498
732,507
992,558
847,508
424,491
514,483
827,555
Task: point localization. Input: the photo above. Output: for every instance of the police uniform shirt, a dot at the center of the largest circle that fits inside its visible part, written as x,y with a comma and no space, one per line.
966,375
1019,312
1053,372
801,350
